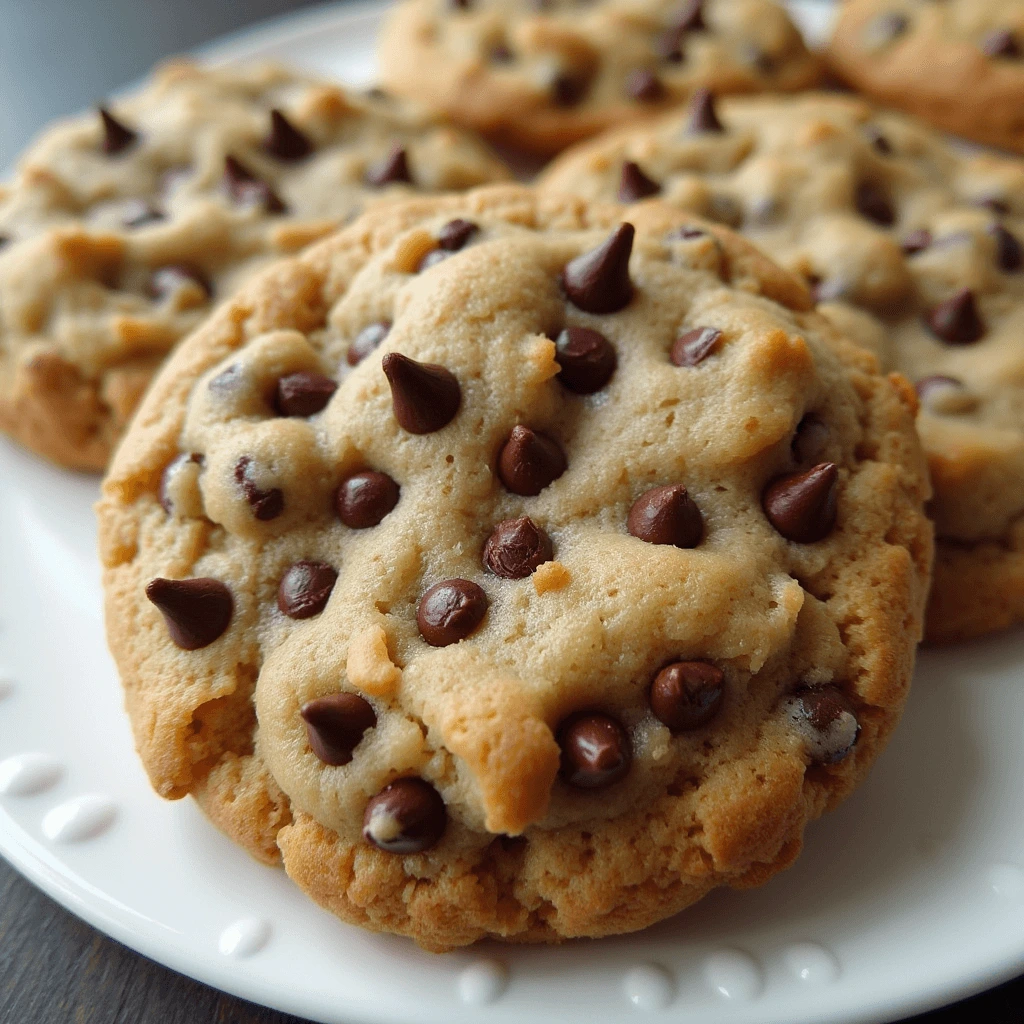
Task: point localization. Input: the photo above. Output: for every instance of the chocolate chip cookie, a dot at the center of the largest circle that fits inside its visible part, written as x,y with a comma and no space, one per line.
541,74
124,226
512,569
957,63
909,244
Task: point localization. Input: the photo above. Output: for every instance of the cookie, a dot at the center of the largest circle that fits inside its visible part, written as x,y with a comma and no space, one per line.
910,245
545,617
122,227
541,74
958,64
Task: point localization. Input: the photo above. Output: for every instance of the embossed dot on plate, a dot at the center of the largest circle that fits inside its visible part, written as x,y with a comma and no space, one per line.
811,963
482,982
84,817
649,987
1007,881
733,974
244,937
28,774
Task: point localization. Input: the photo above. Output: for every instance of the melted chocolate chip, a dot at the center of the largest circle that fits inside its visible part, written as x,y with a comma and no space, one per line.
138,213
825,721
596,750
1001,43
809,440
406,817
598,281
587,359
449,611
165,281
285,141
303,394
390,169
803,506
247,189
305,588
686,695
196,611
694,346
917,241
567,90
265,505
335,724
425,397
364,499
666,515
456,233
1009,253
873,203
644,86
956,321
366,341
117,137
702,116
634,185
516,547
529,461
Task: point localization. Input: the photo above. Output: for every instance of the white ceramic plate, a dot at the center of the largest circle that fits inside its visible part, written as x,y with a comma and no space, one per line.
911,895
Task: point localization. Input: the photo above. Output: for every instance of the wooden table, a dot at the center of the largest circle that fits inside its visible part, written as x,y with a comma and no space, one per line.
54,969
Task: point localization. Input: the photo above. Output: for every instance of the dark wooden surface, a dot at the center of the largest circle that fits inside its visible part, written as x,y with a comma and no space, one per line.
54,969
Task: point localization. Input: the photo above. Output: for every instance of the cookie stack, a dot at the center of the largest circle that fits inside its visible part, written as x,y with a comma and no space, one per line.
527,560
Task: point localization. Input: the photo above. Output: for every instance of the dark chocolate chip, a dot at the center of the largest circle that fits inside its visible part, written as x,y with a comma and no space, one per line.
425,397
285,141
1000,207
247,189
5,240
826,722
391,168
872,202
936,382
598,281
305,588
669,46
687,694
408,816
456,233
596,750
335,724
1001,43
165,281
809,440
366,341
117,137
501,54
364,499
878,140
956,321
567,90
303,393
702,114
803,506
449,611
529,461
686,233
587,359
634,185
196,611
516,547
265,505
694,346
164,496
461,5
917,241
691,17
138,213
644,86
1009,253
666,515
758,59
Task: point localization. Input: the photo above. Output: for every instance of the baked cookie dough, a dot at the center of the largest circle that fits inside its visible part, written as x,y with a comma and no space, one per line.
956,63
514,570
541,74
911,246
122,227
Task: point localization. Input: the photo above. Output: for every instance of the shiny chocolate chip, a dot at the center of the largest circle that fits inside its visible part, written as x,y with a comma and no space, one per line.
825,720
873,203
587,359
703,117
406,817
687,695
516,547
197,611
392,168
598,281
456,233
364,499
644,86
265,505
694,346
803,506
666,515
117,136
634,185
366,341
529,461
567,89
449,611
956,321
248,189
303,393
424,396
1001,43
305,588
595,750
335,724
285,141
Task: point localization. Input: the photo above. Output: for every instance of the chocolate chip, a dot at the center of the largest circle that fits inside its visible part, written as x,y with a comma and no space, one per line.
644,86
516,547
686,695
1001,43
364,499
172,470
391,168
702,115
335,724
567,90
425,397
5,240
461,5
408,816
137,213
285,141
305,588
694,346
456,233
449,611
246,189
117,137
691,17
634,185
598,281
878,140
587,359
809,440
936,382
758,59
686,233
366,341
666,515
596,750
501,54
803,506
165,281
872,202
669,46
956,321
1009,254
196,611
303,394
265,505
1000,207
529,461
825,721
917,241
884,29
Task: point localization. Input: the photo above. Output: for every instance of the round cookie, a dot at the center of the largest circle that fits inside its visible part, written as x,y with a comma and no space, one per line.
889,225
958,64
555,615
542,74
123,226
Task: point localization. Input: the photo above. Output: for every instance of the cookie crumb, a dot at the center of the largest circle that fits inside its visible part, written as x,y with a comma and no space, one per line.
550,576
369,666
